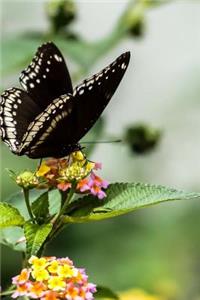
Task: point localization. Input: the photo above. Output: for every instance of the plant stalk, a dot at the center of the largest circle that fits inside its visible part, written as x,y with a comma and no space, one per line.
27,201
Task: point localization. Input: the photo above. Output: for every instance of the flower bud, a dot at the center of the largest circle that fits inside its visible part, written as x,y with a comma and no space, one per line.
60,13
134,19
27,180
142,138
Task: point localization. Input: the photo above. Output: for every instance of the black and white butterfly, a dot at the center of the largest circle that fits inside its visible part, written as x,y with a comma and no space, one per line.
49,117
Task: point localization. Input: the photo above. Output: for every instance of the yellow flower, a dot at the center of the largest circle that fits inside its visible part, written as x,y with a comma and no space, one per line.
56,283
66,271
76,171
53,267
40,274
38,263
43,169
137,294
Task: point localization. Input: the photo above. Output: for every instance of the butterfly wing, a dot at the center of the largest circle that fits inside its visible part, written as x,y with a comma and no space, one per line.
47,76
42,135
93,94
58,137
17,110
63,121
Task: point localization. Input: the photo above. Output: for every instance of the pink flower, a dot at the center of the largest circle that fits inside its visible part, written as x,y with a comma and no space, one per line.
98,166
96,191
83,185
97,181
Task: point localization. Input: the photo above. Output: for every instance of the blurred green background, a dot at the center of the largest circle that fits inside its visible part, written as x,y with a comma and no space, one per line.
156,249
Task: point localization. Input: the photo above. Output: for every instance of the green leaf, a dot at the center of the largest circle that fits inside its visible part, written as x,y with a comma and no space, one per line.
40,207
10,216
35,236
122,198
104,292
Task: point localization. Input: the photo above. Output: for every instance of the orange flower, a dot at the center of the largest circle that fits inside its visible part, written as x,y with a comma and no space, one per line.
50,295
37,289
22,277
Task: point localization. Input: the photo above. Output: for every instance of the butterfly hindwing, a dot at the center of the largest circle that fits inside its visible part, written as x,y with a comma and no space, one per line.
47,76
42,135
17,111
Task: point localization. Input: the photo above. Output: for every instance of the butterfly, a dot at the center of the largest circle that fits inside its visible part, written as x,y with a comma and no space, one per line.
47,118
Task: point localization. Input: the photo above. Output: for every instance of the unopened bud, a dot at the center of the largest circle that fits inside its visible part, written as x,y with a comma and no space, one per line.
27,180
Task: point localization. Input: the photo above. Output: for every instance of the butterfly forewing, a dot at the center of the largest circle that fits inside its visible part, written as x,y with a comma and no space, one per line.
47,76
17,111
89,100
93,94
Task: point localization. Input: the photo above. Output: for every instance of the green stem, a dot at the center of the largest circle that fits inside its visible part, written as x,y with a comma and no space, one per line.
67,201
57,219
26,197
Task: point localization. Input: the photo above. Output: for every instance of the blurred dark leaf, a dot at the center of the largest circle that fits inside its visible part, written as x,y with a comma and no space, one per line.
122,198
104,292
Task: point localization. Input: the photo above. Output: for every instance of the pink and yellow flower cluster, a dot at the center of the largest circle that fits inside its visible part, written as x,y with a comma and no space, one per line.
75,170
51,278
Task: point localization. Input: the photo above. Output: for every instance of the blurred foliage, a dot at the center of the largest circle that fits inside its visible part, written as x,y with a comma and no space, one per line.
84,53
142,138
136,294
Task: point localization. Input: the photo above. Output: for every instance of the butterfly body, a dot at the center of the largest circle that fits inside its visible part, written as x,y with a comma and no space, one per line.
48,118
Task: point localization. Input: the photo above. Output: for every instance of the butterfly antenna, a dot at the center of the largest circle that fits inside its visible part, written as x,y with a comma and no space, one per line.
101,142
40,162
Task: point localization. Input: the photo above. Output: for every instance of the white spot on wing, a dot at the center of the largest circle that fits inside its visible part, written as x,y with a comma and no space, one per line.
58,58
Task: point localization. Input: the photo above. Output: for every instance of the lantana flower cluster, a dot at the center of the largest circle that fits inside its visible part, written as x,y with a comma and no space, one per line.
64,173
75,171
51,278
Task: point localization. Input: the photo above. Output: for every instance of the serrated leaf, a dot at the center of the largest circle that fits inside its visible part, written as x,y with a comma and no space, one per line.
122,198
35,236
40,207
10,216
104,292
